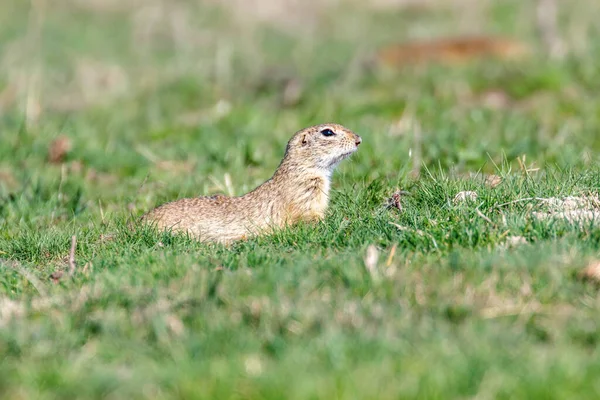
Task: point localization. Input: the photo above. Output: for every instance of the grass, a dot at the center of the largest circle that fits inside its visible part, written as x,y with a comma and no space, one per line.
374,302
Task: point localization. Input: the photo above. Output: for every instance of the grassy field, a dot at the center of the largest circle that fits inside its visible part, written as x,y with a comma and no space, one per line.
110,108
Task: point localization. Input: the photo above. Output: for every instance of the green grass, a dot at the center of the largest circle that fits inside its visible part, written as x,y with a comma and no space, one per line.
446,311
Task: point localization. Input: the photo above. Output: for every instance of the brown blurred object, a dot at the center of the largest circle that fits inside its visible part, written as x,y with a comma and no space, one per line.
489,180
495,99
56,276
395,200
492,181
58,149
591,272
450,51
7,179
292,93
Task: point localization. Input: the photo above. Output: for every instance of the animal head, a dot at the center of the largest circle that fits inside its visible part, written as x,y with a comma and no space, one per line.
322,146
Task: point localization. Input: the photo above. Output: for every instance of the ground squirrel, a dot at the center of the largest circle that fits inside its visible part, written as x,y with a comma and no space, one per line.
298,191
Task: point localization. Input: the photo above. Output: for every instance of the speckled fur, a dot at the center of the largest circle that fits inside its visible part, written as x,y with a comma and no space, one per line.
298,191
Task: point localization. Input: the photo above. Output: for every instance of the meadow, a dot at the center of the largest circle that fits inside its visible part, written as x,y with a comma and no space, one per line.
109,108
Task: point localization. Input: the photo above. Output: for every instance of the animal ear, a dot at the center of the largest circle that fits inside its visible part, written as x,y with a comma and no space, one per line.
304,139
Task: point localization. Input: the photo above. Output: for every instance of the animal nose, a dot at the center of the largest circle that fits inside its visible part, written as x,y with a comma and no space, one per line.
358,140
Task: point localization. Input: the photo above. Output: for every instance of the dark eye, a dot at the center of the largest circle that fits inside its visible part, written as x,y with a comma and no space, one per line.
327,132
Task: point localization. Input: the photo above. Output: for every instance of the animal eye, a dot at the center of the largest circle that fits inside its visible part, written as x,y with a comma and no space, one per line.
327,132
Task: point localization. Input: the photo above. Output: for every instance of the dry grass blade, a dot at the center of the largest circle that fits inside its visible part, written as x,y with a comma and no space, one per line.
72,265
519,201
482,215
511,310
371,259
391,256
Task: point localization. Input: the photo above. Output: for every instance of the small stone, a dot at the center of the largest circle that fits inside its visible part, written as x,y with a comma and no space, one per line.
371,259
465,196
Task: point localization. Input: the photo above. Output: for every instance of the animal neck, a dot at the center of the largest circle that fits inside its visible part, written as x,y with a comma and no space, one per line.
302,193
298,177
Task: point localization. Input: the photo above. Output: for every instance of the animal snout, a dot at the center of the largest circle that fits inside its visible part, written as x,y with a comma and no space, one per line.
357,140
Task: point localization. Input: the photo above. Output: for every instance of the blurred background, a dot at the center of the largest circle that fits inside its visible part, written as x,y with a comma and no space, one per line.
457,84
76,52
67,55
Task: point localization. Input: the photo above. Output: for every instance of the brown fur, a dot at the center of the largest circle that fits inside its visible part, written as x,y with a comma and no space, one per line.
298,191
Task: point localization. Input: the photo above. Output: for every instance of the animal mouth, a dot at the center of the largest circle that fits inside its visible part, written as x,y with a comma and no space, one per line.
342,156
